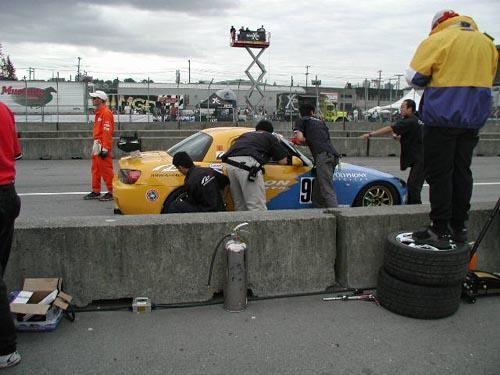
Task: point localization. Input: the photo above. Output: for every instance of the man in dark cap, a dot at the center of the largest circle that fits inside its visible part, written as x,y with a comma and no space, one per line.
202,187
244,164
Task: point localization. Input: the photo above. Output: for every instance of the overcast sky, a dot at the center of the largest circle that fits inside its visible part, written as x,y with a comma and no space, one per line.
341,40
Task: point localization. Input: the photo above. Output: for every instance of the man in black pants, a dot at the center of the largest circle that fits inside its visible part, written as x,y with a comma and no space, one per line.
409,128
10,205
314,132
202,187
456,65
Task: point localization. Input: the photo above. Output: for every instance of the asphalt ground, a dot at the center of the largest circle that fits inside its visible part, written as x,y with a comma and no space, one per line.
301,335
54,188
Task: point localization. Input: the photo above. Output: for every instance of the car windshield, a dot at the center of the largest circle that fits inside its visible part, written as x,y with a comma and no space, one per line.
195,146
294,151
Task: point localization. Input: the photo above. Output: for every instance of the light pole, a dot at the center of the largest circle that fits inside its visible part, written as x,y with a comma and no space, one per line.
208,100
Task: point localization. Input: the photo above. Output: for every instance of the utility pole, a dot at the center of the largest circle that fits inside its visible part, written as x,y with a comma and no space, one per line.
366,91
307,72
379,83
189,71
317,83
31,70
397,87
78,71
291,103
208,101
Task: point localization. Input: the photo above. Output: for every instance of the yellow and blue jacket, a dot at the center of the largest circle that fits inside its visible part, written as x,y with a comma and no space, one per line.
456,64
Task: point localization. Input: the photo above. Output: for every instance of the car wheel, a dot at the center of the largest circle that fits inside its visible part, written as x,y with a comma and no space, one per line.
377,194
171,198
417,301
424,264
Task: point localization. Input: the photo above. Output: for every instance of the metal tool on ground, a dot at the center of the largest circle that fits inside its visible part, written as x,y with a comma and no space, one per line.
235,283
356,296
481,283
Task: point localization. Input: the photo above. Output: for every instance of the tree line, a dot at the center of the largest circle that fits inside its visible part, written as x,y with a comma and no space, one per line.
7,70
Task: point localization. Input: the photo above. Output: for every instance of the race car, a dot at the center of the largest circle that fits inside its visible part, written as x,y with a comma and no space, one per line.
147,181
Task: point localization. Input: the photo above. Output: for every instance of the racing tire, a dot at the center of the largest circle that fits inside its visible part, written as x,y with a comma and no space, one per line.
425,265
171,198
377,194
417,301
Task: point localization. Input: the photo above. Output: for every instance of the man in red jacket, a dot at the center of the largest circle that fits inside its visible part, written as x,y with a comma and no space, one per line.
10,205
102,159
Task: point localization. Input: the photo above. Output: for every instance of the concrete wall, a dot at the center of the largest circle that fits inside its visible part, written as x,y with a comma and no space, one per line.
360,252
74,140
167,257
70,148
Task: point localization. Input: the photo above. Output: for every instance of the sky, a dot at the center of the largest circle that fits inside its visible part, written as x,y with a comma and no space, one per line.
340,40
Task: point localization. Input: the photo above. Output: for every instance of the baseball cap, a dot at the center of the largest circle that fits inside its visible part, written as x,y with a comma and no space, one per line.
99,94
442,16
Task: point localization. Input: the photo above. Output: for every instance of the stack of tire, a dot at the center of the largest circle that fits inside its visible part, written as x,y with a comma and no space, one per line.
421,282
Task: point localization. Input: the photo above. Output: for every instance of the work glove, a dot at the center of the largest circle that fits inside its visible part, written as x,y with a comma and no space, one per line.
103,153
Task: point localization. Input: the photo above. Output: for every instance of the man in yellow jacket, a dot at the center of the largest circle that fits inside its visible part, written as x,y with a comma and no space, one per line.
456,64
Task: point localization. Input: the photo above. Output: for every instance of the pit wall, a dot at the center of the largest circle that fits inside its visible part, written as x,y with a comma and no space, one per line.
167,257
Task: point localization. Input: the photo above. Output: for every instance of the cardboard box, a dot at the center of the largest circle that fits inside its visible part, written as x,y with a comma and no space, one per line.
44,309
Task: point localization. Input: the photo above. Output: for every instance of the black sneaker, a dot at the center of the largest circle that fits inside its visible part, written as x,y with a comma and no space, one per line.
459,235
92,195
106,197
430,236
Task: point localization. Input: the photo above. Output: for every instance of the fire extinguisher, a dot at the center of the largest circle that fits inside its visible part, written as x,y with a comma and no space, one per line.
235,282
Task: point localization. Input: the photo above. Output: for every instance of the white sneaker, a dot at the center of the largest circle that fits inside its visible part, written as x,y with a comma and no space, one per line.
10,360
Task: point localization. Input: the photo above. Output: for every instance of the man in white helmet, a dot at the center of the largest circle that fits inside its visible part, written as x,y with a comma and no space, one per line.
456,65
102,159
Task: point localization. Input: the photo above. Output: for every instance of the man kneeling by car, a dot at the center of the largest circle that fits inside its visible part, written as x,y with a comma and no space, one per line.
202,187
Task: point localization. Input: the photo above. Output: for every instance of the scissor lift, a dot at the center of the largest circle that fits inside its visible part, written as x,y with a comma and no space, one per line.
253,39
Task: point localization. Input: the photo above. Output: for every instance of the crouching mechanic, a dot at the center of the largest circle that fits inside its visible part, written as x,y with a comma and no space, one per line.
102,159
244,161
202,187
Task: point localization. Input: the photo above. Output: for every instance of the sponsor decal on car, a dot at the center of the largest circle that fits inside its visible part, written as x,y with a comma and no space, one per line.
277,184
152,195
350,176
163,170
217,167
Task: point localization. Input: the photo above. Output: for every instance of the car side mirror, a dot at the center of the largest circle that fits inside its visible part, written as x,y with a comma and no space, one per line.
297,162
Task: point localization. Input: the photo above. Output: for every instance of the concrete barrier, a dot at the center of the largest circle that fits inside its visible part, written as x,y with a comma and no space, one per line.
360,252
167,257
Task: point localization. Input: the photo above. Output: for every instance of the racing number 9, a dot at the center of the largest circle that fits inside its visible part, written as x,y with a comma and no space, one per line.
306,188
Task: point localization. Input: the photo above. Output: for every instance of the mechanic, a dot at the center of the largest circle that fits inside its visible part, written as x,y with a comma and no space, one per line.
244,164
456,64
409,132
102,159
202,187
314,132
10,206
